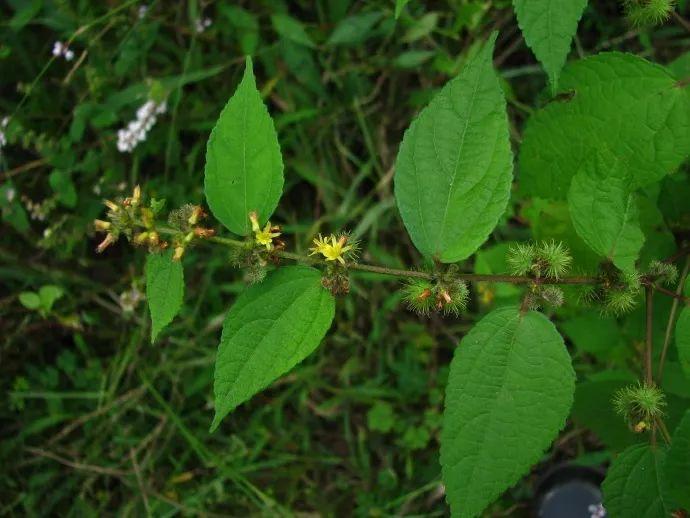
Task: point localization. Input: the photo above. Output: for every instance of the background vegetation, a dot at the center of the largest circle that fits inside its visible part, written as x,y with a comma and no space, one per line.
95,420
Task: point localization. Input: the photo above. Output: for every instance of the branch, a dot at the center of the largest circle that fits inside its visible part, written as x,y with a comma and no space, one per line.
672,316
649,299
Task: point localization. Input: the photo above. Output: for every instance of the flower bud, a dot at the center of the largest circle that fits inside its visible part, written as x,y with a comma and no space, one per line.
178,253
102,226
109,240
141,238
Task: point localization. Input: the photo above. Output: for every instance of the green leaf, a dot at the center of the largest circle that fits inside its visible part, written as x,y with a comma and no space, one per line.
548,27
632,485
683,339
244,169
454,168
509,391
30,300
399,6
611,101
381,417
62,185
164,289
48,295
421,28
676,470
244,24
604,211
291,29
271,327
354,29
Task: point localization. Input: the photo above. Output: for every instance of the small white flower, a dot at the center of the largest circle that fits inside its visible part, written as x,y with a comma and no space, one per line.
143,10
61,49
10,194
58,48
202,24
597,511
136,131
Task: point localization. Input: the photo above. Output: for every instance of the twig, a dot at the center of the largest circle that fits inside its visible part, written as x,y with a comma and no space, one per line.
140,482
649,298
101,470
672,318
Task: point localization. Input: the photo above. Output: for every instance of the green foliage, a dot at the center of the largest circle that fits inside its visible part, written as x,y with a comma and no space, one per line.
164,289
683,339
676,475
632,485
454,167
491,413
548,27
43,300
604,210
271,328
615,103
244,168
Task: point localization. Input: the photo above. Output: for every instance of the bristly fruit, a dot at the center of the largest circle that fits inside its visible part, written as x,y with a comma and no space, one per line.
666,273
550,259
640,405
648,12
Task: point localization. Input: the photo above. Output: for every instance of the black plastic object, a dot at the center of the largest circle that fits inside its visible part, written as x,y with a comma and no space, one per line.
569,491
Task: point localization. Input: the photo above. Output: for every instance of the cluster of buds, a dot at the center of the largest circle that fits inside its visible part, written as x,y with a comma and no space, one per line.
616,291
445,295
137,222
640,405
549,259
539,296
665,273
185,221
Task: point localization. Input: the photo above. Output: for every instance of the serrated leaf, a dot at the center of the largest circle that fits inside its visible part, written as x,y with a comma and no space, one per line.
244,168
271,328
632,485
164,289
683,339
454,168
613,101
509,391
548,27
676,470
604,210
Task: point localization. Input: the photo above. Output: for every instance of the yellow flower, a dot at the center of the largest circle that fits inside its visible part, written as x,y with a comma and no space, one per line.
332,251
263,236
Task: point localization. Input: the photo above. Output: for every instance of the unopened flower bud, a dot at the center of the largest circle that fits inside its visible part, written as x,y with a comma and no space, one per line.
109,240
178,253
102,226
204,232
141,238
111,205
154,238
197,214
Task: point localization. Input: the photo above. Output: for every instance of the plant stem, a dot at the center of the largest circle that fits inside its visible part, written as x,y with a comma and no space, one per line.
649,299
672,318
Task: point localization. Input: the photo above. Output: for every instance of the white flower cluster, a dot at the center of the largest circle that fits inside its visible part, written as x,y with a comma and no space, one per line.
61,49
37,210
3,139
202,24
597,511
128,138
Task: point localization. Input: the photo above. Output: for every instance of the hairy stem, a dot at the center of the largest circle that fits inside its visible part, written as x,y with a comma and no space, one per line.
649,299
672,318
